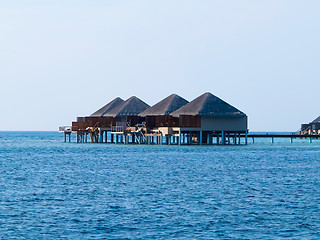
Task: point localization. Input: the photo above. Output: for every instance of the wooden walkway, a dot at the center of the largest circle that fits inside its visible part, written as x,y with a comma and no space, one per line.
282,136
288,136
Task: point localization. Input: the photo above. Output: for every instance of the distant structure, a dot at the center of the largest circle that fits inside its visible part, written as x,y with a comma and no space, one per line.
312,128
205,120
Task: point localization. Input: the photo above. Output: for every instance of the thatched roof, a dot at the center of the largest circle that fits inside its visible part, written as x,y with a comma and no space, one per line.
208,105
114,103
165,107
317,120
131,107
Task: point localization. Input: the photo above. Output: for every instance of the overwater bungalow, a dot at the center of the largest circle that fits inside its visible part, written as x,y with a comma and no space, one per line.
96,118
208,117
113,117
312,128
205,120
158,116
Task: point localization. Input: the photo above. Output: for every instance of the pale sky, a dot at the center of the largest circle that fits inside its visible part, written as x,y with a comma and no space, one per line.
63,59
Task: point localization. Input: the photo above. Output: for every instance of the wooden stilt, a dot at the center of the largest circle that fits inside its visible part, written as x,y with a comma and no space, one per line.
223,138
246,140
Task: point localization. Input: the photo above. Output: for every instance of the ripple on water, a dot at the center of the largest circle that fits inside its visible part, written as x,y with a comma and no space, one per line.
91,191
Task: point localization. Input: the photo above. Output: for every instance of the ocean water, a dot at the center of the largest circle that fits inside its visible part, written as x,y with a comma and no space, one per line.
55,190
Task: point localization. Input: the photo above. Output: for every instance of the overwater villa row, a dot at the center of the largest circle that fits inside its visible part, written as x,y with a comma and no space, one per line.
205,120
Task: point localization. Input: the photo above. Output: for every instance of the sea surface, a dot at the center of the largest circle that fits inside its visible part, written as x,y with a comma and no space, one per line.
55,190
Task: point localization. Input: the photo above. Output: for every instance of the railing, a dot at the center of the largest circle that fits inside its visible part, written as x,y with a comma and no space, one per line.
65,129
116,128
139,133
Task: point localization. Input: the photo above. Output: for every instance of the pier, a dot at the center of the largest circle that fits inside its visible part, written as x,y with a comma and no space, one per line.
290,137
140,137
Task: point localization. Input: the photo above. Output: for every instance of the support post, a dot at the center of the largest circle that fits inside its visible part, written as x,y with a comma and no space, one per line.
223,135
210,139
246,140
201,136
237,138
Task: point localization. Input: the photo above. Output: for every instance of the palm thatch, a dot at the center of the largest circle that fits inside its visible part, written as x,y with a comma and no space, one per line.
210,106
165,107
317,120
114,103
131,107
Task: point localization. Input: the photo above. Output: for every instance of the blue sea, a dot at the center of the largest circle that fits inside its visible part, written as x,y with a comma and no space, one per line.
55,190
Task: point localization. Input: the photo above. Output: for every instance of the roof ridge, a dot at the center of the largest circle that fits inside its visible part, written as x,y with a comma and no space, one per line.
109,106
165,106
204,100
208,104
122,109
